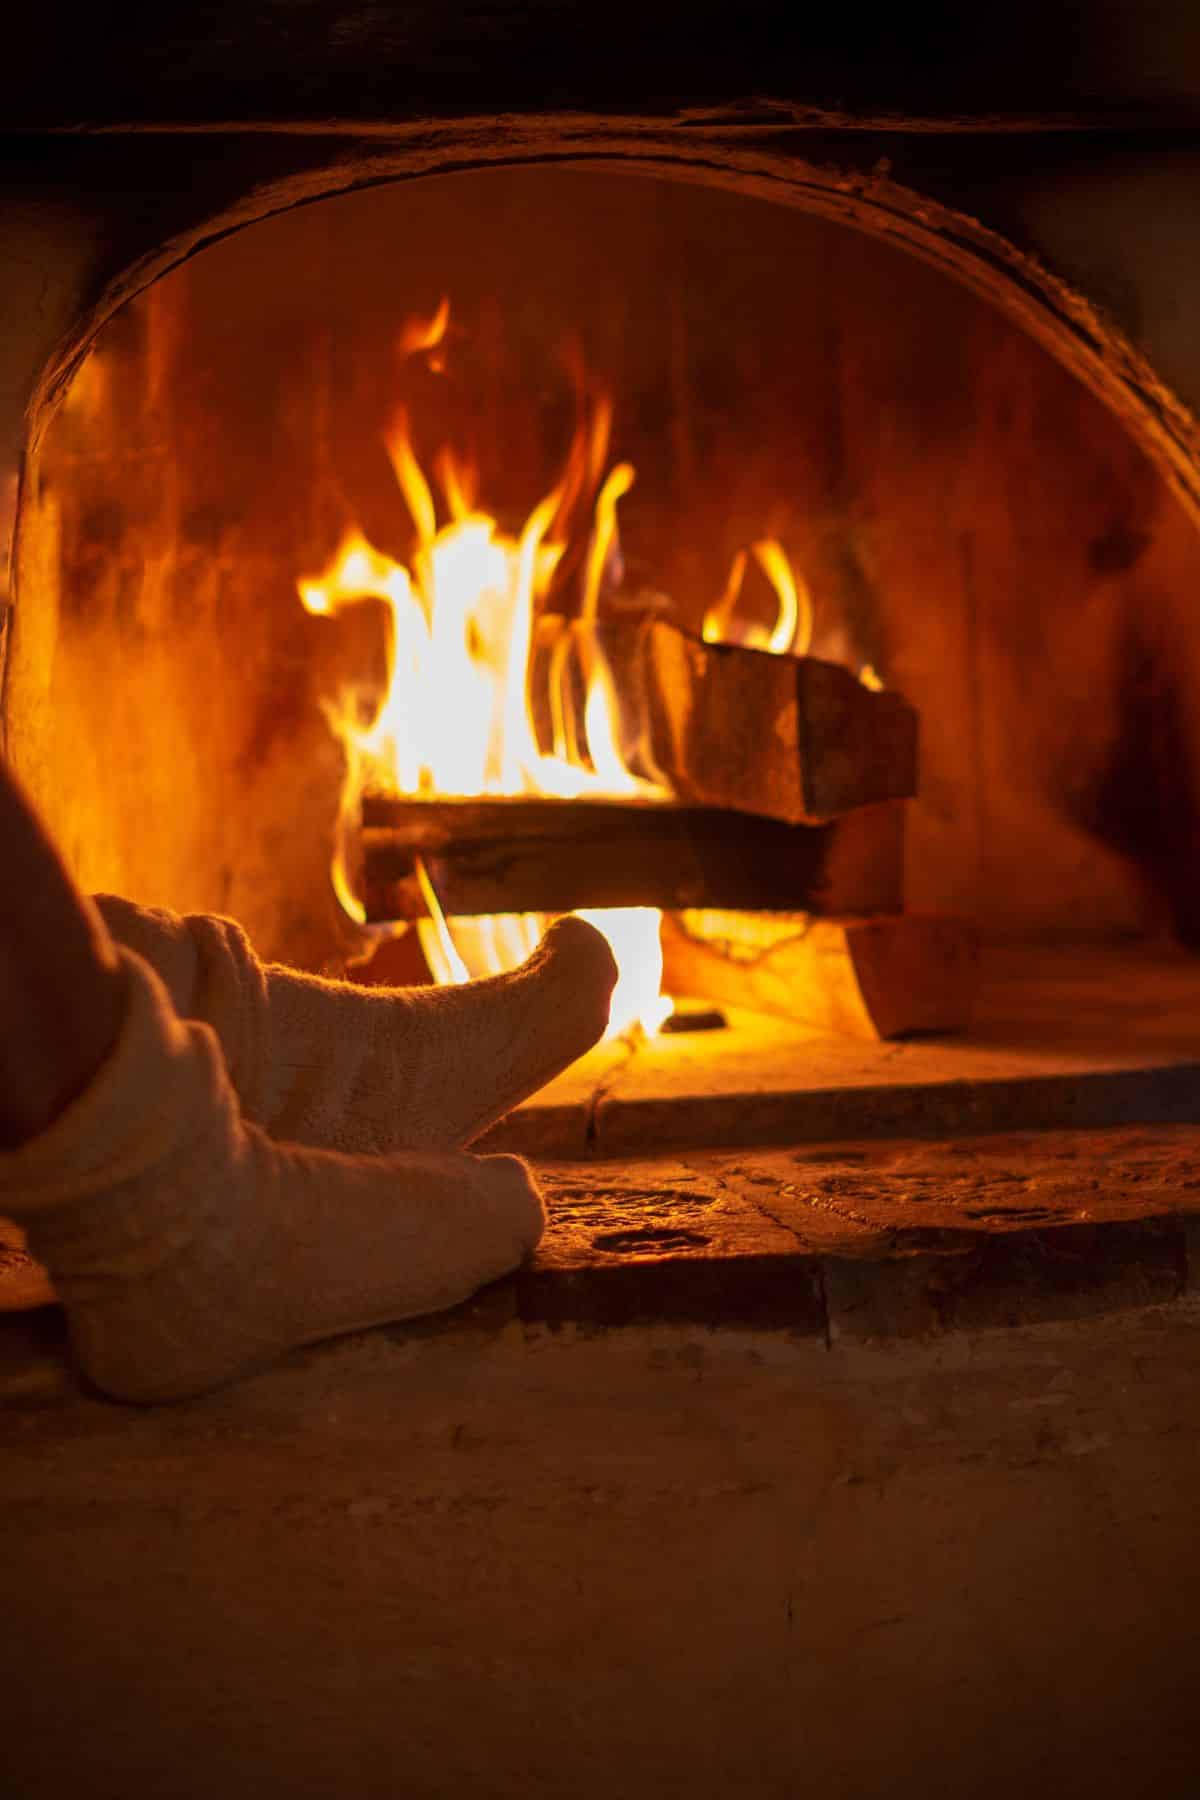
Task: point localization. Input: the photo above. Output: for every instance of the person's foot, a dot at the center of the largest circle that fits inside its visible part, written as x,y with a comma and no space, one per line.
333,1065
462,1057
186,1246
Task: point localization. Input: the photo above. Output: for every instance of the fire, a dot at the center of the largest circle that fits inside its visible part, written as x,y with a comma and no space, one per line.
793,627
456,719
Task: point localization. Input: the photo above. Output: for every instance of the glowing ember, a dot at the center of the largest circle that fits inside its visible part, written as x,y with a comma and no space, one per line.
456,719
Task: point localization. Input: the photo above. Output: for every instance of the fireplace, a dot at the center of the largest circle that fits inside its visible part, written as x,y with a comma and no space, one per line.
852,1273
279,531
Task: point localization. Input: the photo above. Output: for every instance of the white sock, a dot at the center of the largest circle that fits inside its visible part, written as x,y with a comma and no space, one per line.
186,1246
329,1064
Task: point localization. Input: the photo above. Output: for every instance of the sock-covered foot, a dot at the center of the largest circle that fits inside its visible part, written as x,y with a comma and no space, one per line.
377,1069
186,1246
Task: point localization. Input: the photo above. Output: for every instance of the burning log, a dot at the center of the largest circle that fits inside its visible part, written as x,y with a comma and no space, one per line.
551,856
867,978
790,738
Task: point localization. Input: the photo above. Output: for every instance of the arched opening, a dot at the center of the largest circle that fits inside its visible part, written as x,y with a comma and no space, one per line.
971,521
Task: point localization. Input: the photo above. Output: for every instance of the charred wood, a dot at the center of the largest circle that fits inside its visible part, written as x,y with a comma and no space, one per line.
550,856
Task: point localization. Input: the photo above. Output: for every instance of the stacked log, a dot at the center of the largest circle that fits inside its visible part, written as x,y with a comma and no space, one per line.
784,737
778,860
865,978
494,856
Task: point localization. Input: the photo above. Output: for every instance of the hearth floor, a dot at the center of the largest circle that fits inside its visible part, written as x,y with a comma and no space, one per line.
1065,1035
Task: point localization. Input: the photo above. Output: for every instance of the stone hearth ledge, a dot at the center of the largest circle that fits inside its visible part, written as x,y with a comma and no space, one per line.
873,1240
855,1242
1064,1037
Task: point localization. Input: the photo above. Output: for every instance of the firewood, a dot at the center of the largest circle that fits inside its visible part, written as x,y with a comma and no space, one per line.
867,978
790,738
517,855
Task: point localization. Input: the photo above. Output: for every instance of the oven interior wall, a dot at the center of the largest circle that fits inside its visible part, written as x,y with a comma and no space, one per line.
969,519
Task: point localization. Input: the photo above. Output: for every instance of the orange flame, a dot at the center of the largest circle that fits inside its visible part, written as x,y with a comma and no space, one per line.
792,631
456,715
426,335
455,718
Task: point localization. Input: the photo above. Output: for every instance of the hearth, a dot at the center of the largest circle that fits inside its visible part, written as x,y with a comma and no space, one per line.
840,1431
636,525
804,481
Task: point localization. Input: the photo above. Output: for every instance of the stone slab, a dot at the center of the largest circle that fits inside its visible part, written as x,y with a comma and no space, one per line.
1073,1036
876,1240
669,1242
853,1241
